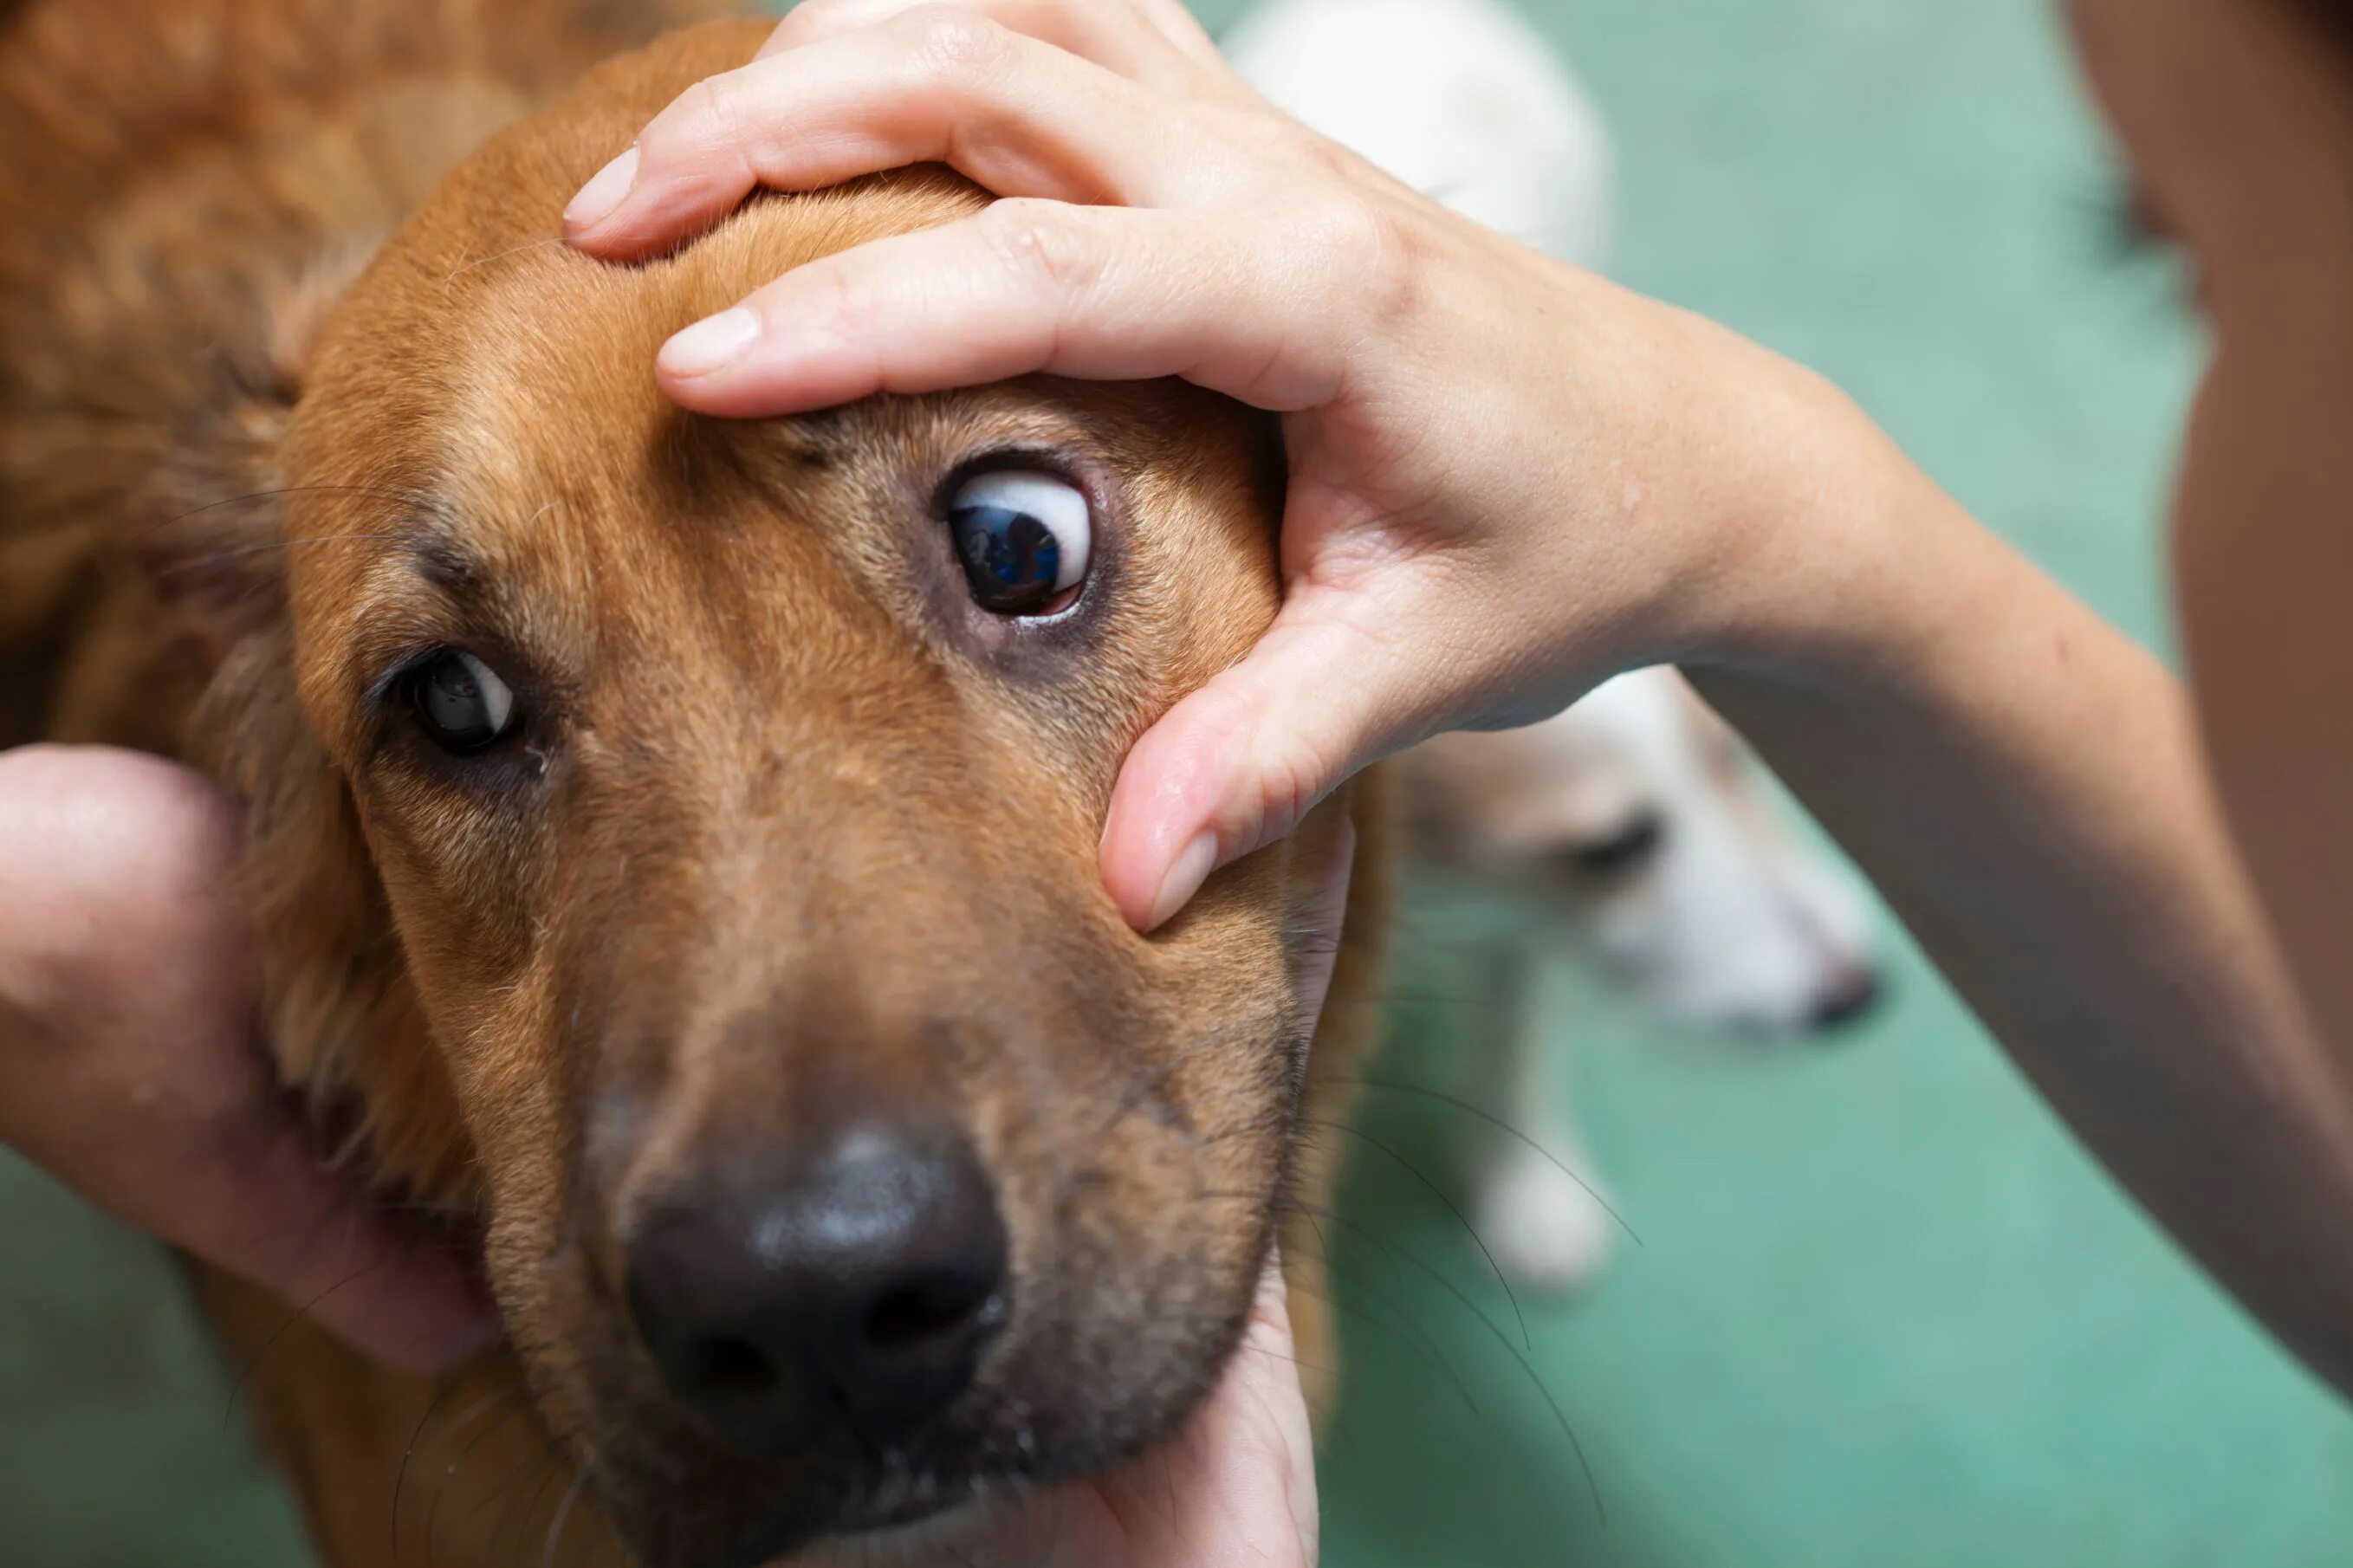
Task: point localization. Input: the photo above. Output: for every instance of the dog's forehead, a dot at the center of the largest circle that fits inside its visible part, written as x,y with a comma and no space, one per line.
493,391
500,394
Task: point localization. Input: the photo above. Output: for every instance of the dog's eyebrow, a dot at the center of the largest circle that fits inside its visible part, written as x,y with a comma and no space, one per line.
817,439
435,554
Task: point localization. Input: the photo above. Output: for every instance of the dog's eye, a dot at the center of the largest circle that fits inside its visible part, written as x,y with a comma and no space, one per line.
461,702
1024,539
1623,852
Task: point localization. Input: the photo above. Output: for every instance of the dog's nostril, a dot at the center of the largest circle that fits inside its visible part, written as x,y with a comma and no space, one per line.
729,1367
910,1319
1852,995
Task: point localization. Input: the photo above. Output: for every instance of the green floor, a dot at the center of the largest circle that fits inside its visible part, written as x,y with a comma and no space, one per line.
1883,1315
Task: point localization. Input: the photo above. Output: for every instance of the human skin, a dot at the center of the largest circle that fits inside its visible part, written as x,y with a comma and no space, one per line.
1509,479
132,1071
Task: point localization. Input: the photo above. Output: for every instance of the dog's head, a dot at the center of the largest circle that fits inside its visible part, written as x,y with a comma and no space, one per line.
1639,809
682,834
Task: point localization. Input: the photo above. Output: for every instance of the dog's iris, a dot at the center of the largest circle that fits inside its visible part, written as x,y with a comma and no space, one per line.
1024,539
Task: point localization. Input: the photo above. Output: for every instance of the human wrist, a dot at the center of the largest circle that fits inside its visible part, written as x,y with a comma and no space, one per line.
1845,566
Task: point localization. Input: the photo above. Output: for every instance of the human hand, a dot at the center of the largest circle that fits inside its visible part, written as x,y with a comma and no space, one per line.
130,1067
1508,478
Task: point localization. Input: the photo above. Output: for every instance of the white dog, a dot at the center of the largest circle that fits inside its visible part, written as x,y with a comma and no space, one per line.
1640,816
1636,811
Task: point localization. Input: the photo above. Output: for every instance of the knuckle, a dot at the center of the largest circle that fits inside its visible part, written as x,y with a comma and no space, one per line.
1320,154
1289,788
1360,238
718,120
1042,240
1351,227
837,294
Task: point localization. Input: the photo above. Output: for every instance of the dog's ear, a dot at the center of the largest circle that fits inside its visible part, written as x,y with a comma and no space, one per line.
205,524
341,1012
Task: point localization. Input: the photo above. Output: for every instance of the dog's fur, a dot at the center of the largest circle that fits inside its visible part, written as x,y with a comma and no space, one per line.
792,831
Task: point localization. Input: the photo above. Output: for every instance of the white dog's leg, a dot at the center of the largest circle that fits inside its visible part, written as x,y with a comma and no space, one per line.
1536,1208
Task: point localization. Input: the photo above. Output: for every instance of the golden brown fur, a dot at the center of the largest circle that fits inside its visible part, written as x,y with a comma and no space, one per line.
794,829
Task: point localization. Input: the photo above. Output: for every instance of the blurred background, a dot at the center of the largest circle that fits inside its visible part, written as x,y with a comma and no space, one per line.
1882,1312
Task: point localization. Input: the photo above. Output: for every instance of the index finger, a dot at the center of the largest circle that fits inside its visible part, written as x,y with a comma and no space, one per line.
1016,115
1141,39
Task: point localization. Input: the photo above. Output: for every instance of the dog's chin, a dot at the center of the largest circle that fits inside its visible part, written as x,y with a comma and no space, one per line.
688,1506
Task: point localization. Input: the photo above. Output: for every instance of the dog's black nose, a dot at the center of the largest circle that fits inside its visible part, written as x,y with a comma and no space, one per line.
1854,993
850,1289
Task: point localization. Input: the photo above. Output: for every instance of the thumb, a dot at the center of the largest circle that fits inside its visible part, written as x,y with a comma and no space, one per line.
1238,764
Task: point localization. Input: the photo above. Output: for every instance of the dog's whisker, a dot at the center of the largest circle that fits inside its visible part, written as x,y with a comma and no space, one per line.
449,1474
1450,1205
456,1424
1400,1326
1536,1379
394,498
1272,1354
237,553
237,1388
1400,1254
1413,1337
400,1477
1500,1125
551,1466
563,1517
506,1497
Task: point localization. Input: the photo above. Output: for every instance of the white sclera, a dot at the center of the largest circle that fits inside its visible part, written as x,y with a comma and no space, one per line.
1054,502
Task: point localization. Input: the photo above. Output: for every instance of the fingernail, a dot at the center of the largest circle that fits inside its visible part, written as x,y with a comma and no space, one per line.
1186,874
712,343
604,191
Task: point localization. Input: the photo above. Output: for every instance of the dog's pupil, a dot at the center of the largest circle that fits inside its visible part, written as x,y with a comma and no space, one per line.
1010,558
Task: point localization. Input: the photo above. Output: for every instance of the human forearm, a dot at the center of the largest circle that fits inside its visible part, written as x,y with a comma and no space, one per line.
2027,788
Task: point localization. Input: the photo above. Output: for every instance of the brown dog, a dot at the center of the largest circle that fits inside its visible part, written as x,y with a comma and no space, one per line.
672,842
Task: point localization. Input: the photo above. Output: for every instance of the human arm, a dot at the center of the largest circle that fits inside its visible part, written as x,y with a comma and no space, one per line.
2028,791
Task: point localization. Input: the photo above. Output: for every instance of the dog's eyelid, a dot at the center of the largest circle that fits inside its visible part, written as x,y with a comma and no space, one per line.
1630,842
392,670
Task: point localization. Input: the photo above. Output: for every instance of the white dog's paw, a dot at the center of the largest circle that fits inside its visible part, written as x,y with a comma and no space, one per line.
1543,1230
